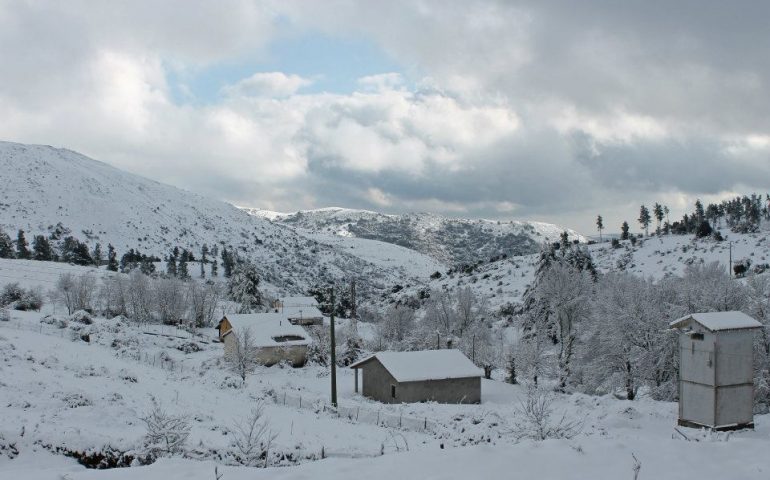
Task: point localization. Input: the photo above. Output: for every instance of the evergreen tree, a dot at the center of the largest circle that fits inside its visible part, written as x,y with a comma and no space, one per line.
96,255
41,249
600,226
700,214
203,269
624,231
564,242
112,259
171,265
214,267
146,266
243,286
644,219
657,210
76,252
204,253
227,263
6,246
181,269
22,250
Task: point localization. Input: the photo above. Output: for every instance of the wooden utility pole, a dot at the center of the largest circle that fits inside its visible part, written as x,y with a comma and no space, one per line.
333,351
353,315
730,272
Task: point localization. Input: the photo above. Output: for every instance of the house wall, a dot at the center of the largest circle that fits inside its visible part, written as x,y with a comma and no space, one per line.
307,321
294,354
696,403
697,359
735,405
735,358
377,383
452,390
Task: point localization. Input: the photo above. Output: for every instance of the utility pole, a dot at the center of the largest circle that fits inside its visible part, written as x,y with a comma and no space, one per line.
353,314
730,272
334,351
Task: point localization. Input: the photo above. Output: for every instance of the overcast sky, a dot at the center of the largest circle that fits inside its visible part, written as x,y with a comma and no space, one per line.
546,110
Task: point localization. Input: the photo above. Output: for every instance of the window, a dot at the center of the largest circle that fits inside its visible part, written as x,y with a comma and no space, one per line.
392,391
696,336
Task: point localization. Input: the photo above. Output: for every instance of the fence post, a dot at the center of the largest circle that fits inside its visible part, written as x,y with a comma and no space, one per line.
300,401
358,409
378,417
400,417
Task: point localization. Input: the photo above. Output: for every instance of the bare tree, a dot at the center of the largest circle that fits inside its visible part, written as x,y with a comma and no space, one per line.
202,299
252,437
566,292
166,433
139,297
243,356
169,296
65,291
537,417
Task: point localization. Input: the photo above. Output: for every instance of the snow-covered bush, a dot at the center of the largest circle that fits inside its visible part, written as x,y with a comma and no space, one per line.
538,421
81,316
166,433
252,438
15,297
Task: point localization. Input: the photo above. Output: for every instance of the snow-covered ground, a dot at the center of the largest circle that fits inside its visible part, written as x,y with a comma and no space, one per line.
60,391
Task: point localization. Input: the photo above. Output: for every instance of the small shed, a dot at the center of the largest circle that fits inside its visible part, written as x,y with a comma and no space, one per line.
716,371
275,338
444,376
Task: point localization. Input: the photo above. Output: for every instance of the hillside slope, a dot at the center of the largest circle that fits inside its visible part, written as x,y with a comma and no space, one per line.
42,187
452,241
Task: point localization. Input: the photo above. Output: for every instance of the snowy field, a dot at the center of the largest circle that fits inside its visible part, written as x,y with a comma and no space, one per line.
59,391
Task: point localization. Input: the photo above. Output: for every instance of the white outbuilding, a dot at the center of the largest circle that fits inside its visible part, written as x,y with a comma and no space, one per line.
716,372
274,338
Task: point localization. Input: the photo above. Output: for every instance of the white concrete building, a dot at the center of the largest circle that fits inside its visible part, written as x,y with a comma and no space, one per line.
716,373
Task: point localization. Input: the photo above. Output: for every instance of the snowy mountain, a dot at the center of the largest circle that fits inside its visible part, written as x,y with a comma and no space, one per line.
452,241
46,190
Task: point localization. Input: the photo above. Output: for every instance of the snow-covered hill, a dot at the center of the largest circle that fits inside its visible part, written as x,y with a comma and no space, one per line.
42,187
449,240
504,281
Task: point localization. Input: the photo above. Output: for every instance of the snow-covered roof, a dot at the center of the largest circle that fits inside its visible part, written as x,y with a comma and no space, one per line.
425,365
266,327
301,312
716,321
299,302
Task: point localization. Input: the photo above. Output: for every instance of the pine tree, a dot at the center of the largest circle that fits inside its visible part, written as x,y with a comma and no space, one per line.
600,226
227,263
657,210
182,268
6,246
41,249
214,267
564,242
171,265
624,231
22,250
700,214
96,255
243,286
112,259
644,219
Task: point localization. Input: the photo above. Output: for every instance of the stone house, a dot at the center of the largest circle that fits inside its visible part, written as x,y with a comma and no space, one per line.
275,338
443,376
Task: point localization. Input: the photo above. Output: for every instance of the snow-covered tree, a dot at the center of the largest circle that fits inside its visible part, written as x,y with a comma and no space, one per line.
243,286
112,259
243,357
6,246
22,247
41,249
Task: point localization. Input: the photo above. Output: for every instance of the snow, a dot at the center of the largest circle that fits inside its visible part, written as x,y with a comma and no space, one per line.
425,365
299,302
265,327
57,390
716,321
301,312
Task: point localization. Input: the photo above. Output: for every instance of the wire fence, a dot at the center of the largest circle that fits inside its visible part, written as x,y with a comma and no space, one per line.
357,413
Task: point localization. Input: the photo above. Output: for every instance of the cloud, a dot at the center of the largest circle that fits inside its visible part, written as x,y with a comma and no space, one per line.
271,84
532,109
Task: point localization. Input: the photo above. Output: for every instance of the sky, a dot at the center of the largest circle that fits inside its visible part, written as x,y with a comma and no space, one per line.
544,110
